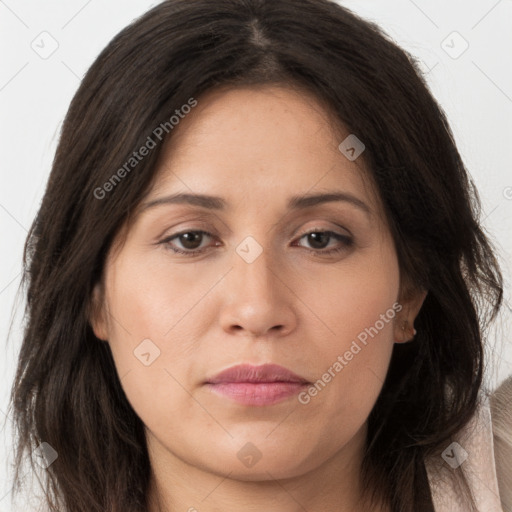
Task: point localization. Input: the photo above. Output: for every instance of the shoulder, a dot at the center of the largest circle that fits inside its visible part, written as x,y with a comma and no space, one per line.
501,413
472,449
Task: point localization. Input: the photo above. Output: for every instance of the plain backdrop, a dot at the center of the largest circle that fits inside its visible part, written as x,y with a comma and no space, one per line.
464,46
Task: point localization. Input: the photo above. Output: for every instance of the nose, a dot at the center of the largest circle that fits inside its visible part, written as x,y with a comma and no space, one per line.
257,299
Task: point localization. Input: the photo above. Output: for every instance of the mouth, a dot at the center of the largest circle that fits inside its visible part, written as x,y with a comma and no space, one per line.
256,385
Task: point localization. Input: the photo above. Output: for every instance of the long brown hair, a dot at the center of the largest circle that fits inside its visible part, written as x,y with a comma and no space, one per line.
66,391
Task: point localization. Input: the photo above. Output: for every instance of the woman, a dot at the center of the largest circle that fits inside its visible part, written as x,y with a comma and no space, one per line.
254,207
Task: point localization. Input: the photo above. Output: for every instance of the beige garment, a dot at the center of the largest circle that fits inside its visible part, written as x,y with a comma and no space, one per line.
473,448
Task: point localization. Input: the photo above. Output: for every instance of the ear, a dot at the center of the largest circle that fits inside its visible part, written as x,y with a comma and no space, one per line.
404,321
98,316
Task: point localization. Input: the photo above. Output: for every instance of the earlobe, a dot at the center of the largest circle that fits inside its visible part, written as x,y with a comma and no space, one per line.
404,324
97,314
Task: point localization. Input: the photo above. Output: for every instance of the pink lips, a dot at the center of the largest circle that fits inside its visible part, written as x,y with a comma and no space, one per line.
257,385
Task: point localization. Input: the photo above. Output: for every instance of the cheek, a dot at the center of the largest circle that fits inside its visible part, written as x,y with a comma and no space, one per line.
153,331
355,299
354,339
153,299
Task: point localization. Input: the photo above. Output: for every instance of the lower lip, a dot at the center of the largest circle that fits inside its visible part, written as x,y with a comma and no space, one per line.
257,393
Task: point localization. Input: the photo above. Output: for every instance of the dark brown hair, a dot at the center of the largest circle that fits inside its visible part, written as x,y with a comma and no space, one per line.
67,392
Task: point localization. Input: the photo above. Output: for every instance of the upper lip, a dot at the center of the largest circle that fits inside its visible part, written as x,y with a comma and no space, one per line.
262,373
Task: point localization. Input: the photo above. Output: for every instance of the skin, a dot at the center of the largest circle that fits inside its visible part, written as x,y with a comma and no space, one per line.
294,306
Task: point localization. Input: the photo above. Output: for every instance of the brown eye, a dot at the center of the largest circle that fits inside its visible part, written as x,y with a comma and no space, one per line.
190,241
319,240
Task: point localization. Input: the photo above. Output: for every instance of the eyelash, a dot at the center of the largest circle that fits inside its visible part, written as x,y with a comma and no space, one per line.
346,240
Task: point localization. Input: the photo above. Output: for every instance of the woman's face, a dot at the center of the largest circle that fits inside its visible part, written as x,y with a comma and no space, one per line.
261,290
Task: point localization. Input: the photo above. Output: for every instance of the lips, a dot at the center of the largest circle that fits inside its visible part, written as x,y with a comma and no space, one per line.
263,385
265,373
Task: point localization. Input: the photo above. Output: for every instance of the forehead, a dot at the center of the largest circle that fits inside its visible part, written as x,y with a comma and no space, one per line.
260,140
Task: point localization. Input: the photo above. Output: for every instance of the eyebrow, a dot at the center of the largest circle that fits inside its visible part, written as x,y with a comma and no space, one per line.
294,203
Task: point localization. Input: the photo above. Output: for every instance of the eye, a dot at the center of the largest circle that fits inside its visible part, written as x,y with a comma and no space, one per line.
319,240
190,241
